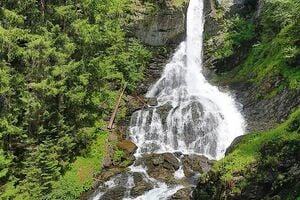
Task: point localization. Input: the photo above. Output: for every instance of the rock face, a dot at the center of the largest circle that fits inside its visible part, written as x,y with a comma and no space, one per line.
235,142
264,113
214,30
116,193
165,26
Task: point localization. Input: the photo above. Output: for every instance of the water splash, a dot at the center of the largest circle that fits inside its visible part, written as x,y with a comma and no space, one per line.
192,116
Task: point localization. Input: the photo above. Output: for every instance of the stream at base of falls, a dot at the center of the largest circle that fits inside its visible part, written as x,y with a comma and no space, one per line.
192,124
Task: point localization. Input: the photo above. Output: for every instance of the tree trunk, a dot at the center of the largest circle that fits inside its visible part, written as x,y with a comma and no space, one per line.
114,114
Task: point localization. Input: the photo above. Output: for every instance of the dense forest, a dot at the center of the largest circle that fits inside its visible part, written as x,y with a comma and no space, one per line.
63,64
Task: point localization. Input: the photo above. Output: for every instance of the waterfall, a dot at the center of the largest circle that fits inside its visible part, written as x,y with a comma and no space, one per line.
191,116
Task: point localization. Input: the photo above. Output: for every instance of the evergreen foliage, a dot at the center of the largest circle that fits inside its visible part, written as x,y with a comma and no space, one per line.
62,64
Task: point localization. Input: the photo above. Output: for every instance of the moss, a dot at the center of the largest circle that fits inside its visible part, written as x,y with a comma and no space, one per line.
262,164
247,151
272,58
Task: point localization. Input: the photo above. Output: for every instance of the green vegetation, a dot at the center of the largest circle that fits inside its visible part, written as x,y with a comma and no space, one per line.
276,53
153,6
238,31
118,155
62,64
263,160
173,3
80,177
263,50
247,151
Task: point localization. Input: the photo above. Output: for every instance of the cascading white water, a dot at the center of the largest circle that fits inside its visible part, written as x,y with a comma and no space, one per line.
191,116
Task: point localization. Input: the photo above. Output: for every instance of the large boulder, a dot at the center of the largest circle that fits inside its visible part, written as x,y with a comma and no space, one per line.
234,143
116,193
183,194
140,185
152,101
161,166
194,164
127,146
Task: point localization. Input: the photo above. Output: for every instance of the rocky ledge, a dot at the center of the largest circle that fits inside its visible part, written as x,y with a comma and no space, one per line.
170,168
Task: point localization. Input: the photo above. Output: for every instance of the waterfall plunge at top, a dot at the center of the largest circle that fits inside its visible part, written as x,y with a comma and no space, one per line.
192,116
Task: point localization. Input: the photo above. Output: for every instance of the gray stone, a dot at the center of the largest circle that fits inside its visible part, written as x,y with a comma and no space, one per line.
116,193
193,164
183,194
107,161
141,186
164,112
171,159
166,26
235,142
161,166
152,101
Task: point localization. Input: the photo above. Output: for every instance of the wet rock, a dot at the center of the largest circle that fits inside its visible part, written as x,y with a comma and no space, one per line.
141,186
133,104
116,193
171,160
161,166
164,111
234,143
152,101
157,161
107,174
276,109
193,164
183,194
127,146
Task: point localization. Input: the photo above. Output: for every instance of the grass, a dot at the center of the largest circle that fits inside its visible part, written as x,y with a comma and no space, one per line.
246,152
80,177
